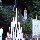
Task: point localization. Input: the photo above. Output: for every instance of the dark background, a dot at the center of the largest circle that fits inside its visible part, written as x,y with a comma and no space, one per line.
7,2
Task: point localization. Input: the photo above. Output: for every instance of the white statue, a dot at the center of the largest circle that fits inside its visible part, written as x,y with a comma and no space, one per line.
25,14
1,32
35,28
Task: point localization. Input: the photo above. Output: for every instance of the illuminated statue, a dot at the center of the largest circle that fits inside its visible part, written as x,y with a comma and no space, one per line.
35,28
25,14
1,32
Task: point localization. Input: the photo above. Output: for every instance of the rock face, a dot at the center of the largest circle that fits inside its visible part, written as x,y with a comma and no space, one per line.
0,4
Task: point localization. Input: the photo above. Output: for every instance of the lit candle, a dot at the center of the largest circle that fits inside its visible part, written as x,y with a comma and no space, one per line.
19,25
16,17
9,29
36,17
